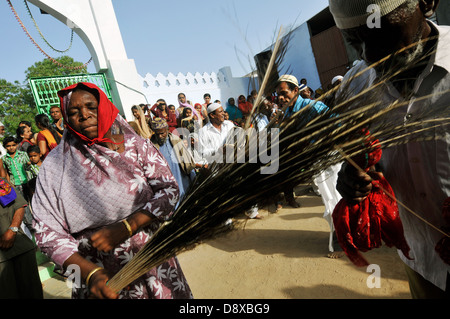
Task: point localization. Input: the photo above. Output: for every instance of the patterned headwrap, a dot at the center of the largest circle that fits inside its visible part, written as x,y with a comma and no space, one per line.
107,112
159,123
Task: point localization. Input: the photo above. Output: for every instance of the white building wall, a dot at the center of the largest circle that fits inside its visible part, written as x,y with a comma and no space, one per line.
299,59
221,86
96,24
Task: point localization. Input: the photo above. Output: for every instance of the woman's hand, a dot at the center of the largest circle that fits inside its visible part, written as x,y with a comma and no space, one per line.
96,281
109,237
98,287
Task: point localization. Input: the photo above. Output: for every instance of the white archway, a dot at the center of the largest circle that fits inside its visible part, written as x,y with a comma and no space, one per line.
95,22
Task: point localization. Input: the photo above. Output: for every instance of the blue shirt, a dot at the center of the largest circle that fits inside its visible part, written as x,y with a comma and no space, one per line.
182,179
234,112
317,107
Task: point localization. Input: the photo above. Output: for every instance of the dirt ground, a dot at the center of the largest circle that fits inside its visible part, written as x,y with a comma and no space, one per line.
284,256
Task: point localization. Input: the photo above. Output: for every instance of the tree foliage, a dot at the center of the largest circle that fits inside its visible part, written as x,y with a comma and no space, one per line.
17,101
48,68
14,106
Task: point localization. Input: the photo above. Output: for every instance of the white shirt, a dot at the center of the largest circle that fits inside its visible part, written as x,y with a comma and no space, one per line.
261,121
419,172
2,151
210,139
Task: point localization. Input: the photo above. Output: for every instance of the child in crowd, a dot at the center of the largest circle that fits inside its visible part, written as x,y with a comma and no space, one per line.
32,168
15,162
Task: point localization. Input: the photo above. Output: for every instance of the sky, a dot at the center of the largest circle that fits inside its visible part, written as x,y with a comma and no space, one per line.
161,36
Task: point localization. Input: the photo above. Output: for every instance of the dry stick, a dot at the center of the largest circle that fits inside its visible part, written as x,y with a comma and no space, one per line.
353,163
385,78
140,264
266,76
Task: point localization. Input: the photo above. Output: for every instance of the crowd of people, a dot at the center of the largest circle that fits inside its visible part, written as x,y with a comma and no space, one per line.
125,178
207,126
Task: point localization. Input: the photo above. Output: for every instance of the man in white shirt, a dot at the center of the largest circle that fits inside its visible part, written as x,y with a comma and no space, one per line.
212,140
212,136
417,171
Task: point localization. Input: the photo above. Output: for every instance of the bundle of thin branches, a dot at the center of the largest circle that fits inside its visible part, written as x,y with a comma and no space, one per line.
306,144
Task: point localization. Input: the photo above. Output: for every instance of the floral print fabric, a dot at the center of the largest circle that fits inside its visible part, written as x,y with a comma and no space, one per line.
82,188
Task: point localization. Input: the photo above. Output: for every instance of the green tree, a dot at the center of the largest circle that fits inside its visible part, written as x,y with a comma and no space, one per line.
14,106
49,68
17,101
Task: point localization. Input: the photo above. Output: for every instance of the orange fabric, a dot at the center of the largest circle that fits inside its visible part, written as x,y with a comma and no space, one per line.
51,142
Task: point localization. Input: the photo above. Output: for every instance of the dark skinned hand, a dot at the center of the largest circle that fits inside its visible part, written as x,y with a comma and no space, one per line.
109,237
98,286
7,240
355,185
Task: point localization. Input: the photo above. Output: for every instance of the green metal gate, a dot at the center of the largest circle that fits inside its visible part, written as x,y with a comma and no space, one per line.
45,89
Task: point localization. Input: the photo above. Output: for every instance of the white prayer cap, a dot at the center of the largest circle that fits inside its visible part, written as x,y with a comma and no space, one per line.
288,78
337,78
353,13
212,107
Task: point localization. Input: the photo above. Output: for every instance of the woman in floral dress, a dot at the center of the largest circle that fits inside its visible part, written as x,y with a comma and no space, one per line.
99,197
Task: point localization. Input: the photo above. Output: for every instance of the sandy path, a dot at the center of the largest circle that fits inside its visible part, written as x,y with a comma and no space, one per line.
283,256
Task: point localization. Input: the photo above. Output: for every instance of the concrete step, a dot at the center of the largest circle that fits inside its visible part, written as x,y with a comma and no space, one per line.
46,271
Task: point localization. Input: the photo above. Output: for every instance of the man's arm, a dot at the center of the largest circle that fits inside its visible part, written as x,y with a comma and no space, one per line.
8,237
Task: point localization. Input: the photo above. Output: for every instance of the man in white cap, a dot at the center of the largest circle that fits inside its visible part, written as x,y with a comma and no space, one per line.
305,91
336,80
212,136
212,140
417,171
290,100
288,89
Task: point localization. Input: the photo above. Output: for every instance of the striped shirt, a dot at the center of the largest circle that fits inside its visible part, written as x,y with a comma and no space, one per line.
32,171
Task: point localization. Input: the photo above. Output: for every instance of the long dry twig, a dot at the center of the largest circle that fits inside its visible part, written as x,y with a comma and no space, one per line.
305,149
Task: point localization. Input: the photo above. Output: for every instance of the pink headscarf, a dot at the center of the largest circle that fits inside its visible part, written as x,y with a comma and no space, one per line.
194,111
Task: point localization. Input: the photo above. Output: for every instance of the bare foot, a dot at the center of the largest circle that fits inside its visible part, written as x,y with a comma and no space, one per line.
279,207
336,254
